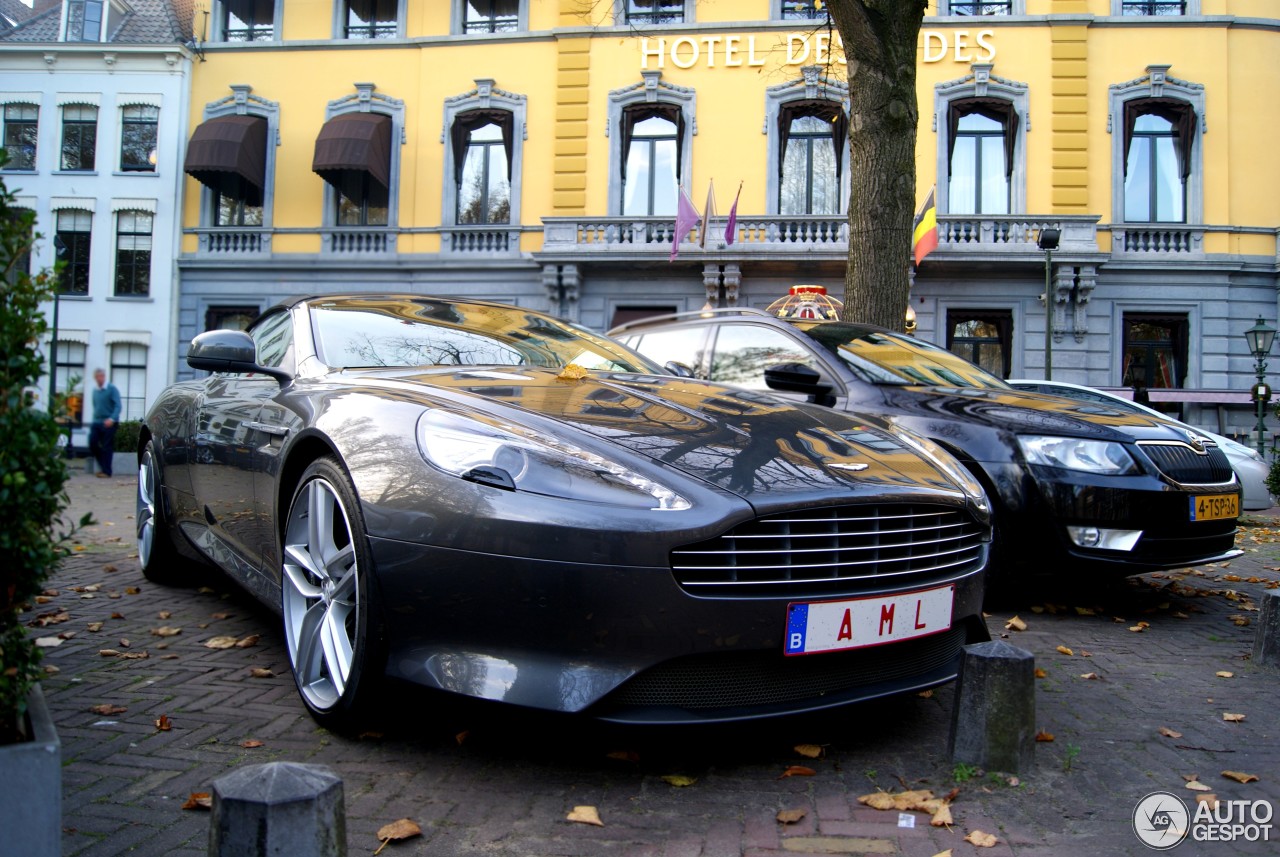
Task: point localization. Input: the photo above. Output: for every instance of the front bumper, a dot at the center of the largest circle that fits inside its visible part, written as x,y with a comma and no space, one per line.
627,643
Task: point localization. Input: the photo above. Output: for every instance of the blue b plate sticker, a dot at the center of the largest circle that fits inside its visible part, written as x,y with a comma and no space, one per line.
830,626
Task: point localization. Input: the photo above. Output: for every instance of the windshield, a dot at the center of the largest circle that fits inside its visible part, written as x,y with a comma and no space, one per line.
364,332
883,357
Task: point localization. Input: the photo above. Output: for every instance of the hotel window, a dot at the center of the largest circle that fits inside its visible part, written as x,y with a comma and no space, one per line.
981,135
491,16
983,337
812,138
1155,350
21,131
231,155
1157,160
353,154
370,19
84,20
133,253
482,166
245,21
968,8
139,124
1153,7
129,375
801,10
645,13
651,143
72,238
79,137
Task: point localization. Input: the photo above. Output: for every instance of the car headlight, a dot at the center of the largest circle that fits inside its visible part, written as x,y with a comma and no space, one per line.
520,459
947,463
1073,453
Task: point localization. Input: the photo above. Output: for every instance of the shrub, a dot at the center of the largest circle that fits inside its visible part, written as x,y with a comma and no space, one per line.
33,474
127,436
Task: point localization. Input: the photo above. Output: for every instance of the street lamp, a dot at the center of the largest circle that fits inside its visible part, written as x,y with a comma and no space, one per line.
1260,337
1048,242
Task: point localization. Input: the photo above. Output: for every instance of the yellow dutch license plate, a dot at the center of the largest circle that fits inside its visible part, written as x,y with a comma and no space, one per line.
1214,507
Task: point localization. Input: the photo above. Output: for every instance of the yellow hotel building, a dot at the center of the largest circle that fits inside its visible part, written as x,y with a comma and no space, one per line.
528,151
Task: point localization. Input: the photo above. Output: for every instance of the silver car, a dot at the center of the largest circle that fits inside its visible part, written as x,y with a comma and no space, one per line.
1249,466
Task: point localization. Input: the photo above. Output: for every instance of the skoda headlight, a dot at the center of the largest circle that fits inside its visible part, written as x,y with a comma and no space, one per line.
1073,453
520,459
947,463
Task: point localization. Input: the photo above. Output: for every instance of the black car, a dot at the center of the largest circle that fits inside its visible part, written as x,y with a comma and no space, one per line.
1077,490
483,499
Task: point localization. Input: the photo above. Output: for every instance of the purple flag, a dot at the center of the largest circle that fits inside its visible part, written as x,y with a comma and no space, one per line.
731,228
687,217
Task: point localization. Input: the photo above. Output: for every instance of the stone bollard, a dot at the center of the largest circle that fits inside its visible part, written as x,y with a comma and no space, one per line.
993,722
280,808
1266,640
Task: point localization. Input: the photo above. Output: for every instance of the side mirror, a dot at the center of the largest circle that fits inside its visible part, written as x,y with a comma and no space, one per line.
799,378
228,351
680,370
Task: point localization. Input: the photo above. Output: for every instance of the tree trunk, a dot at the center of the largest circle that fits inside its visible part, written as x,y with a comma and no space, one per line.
880,48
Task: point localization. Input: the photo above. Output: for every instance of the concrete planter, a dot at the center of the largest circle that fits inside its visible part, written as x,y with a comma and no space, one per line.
31,787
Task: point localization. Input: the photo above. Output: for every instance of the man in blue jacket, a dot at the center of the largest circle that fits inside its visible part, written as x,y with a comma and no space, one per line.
106,417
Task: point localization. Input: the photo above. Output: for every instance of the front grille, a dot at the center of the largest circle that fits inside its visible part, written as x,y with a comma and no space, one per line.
731,680
842,549
1182,463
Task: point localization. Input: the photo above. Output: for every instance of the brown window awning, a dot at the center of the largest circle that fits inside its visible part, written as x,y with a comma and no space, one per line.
354,143
228,154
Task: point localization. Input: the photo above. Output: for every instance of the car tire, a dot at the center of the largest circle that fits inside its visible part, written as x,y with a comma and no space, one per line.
160,560
331,626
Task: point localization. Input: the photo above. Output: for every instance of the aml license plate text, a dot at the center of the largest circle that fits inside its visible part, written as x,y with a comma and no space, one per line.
1215,507
831,626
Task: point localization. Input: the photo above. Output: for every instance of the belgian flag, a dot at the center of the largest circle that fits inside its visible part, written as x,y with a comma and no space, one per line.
924,231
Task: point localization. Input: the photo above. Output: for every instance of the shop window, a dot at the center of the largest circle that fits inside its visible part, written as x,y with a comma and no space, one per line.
71,241
482,145
983,337
230,317
1155,350
493,16
133,253
813,137
370,19
21,132
79,137
129,374
139,124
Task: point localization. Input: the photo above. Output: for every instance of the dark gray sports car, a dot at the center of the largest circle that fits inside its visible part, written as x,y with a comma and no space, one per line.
487,500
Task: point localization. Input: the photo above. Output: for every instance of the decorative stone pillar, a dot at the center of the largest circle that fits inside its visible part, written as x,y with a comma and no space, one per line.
732,283
1086,281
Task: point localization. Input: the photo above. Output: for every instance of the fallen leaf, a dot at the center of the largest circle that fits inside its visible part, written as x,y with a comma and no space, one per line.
49,642
220,643
43,599
1041,673
1209,798
797,771
585,815
165,631
572,372
133,656
404,828
1240,777
50,669
878,800
124,643
925,694
942,818
946,853
94,626
371,735
251,744
461,736
809,751
199,800
1232,718
133,590
163,723
1137,629
117,615
1190,777
106,709
1015,624
1196,785
1064,650
251,640
106,653
222,615
1085,611
1224,674
791,816
1090,676
982,840
624,756
1241,621
1169,733
261,672
1044,737
164,614
680,781
205,590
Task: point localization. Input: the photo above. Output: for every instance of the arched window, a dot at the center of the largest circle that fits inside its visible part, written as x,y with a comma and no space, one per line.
651,163
811,145
981,134
482,141
1158,138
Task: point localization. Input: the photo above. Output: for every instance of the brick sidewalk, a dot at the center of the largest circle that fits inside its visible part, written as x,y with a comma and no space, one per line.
506,786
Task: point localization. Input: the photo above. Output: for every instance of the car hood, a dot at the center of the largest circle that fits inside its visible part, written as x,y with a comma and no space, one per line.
1029,413
760,448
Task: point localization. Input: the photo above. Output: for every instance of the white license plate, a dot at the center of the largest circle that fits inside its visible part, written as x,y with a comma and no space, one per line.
832,626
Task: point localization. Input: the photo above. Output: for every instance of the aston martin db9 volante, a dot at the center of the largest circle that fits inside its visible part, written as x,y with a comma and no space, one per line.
1078,492
489,501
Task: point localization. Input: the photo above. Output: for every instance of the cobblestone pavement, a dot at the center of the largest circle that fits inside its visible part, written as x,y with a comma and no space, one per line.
487,780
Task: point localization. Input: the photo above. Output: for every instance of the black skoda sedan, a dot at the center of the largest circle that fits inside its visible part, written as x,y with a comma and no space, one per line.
1077,491
485,500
